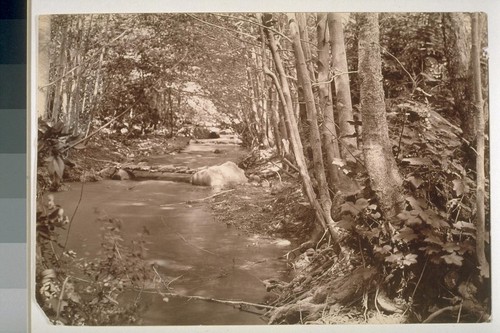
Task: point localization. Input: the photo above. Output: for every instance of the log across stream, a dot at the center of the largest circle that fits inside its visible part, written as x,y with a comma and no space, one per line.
205,257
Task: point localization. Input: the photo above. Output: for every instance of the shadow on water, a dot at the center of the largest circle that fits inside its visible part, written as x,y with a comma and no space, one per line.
211,259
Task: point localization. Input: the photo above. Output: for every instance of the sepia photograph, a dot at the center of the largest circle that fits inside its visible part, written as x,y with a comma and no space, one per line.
262,168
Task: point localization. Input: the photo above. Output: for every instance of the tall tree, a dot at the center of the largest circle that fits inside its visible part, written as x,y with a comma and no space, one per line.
456,28
43,64
379,160
480,178
323,217
329,131
304,79
342,89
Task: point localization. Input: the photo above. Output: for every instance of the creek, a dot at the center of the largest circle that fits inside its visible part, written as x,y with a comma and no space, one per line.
209,258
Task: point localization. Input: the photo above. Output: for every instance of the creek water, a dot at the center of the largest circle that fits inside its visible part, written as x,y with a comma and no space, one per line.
209,258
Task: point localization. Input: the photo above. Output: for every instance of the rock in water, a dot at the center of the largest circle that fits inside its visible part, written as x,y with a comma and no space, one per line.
220,175
122,175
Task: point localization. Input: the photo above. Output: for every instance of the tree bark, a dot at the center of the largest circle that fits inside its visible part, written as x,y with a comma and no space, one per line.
342,88
323,217
304,78
480,180
43,64
456,28
329,132
380,163
60,71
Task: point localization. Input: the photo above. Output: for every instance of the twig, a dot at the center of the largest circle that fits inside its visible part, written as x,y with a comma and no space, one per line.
418,283
209,197
440,311
60,297
288,173
228,302
401,134
196,247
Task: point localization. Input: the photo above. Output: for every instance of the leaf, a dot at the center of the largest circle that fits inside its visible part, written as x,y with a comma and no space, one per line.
405,215
383,249
410,259
431,238
453,259
415,181
346,224
55,166
370,234
464,225
414,203
451,247
431,249
460,187
362,203
433,219
406,234
413,221
394,257
348,207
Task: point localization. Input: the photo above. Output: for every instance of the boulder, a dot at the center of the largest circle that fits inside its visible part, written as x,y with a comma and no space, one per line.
219,175
122,175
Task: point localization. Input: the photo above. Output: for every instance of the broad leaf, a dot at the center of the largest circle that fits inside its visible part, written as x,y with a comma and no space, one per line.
362,203
433,219
410,259
460,187
453,259
394,257
451,247
406,234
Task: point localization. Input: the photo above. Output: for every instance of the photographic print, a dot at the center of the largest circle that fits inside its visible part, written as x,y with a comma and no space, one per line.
262,168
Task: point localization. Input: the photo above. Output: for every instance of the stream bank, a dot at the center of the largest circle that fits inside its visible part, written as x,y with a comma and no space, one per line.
187,245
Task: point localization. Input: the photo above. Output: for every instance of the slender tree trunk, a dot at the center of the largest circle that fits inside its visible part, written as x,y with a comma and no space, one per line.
323,217
304,38
484,267
43,65
380,163
304,78
456,27
61,67
342,88
97,80
329,132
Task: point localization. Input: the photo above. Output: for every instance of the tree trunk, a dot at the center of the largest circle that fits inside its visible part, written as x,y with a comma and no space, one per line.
456,28
380,163
304,78
342,88
60,72
329,132
304,38
478,106
43,65
323,217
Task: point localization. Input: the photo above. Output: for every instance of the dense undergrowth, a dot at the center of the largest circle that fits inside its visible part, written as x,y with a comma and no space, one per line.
419,267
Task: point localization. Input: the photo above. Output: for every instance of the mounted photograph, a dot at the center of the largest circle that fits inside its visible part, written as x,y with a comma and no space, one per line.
262,168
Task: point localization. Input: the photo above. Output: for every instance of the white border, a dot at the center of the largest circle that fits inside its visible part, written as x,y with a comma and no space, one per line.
491,7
